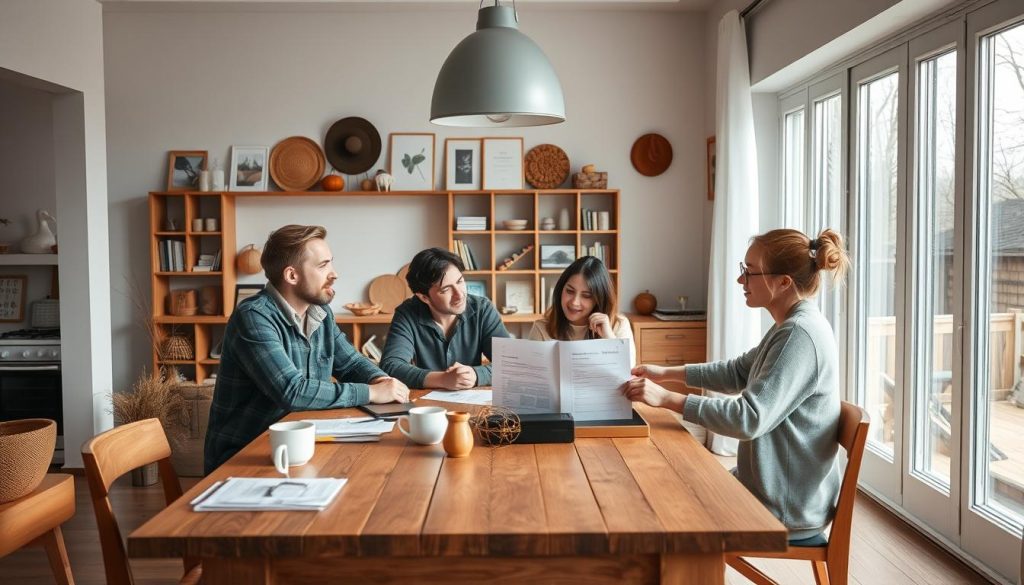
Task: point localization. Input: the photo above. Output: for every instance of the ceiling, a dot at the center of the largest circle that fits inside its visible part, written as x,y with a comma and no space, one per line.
220,5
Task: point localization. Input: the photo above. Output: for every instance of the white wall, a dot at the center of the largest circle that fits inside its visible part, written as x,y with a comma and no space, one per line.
57,45
207,80
26,163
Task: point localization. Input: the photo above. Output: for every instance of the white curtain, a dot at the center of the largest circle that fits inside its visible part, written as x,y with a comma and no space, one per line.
733,328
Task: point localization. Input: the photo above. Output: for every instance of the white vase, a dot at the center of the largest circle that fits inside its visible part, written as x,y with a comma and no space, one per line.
563,219
43,240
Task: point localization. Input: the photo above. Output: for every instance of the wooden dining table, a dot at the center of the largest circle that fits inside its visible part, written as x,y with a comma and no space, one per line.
658,509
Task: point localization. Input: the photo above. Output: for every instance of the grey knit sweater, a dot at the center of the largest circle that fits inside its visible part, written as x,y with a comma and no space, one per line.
786,418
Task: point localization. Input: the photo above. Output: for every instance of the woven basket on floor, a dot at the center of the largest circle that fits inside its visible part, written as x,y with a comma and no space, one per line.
26,449
178,347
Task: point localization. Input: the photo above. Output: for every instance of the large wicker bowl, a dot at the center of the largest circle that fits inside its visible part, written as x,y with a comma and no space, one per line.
26,449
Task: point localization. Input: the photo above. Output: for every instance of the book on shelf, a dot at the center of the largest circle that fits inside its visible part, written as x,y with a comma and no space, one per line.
470,223
172,256
462,250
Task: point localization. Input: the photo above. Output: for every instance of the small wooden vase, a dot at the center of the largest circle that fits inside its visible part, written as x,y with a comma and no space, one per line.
458,439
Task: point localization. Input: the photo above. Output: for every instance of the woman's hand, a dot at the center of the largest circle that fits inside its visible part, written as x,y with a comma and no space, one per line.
653,373
601,325
646,391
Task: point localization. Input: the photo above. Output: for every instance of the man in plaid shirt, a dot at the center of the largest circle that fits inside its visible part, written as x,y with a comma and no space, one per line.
281,348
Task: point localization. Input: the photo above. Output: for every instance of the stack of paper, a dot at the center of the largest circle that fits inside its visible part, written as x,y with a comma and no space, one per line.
469,223
255,494
351,430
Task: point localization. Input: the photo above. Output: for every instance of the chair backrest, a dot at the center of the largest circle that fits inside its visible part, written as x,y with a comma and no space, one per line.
853,435
107,457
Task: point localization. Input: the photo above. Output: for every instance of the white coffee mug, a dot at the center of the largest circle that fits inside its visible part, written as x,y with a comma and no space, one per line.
291,444
427,424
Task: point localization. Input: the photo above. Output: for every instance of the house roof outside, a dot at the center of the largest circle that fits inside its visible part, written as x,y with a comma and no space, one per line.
1007,225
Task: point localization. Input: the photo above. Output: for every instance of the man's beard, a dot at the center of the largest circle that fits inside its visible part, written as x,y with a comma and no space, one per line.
317,296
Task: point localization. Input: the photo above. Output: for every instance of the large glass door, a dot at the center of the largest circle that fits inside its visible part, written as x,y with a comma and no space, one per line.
931,489
993,482
878,129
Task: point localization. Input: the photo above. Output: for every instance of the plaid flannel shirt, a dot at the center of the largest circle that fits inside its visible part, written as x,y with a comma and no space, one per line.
270,368
416,345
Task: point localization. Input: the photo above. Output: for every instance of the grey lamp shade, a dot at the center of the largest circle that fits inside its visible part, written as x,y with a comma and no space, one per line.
497,77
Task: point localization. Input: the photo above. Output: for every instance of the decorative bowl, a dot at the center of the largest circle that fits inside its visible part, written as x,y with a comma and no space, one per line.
515,224
26,449
363,309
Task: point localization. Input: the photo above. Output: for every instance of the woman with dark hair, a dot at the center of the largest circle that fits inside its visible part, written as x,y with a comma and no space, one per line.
584,306
787,414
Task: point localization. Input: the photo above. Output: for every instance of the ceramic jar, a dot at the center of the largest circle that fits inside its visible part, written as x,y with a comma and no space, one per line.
458,439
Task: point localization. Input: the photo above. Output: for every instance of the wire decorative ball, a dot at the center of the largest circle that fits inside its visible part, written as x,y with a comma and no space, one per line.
496,425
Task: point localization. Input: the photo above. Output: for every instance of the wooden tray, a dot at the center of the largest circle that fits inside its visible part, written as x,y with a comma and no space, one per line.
592,429
296,163
387,290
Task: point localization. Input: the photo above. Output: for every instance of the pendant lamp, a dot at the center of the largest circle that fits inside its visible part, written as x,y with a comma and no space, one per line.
497,77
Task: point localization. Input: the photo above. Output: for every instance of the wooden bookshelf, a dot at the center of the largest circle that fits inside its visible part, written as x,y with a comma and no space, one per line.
171,215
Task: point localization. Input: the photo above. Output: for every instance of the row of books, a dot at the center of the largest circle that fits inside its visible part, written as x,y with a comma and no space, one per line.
595,220
470,223
462,250
172,258
600,251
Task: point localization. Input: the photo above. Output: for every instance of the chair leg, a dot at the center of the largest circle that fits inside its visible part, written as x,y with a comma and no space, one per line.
749,571
820,569
58,555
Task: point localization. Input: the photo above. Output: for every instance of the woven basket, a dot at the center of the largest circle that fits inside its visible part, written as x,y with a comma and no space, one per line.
26,449
178,347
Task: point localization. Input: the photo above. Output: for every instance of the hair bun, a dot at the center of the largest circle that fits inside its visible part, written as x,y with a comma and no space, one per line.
831,255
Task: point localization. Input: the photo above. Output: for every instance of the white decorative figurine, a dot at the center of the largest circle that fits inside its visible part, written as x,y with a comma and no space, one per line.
383,181
43,240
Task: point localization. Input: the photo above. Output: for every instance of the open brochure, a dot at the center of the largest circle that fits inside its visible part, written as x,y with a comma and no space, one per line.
583,378
266,494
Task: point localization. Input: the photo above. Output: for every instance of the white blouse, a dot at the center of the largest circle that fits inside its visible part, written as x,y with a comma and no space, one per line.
622,330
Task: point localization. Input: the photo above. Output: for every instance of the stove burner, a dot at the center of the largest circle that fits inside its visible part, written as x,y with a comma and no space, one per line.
38,333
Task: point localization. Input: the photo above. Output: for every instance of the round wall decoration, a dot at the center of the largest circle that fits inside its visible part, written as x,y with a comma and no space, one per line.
546,166
352,145
296,163
651,154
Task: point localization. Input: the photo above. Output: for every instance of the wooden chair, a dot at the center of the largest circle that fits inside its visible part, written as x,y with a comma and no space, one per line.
830,562
35,520
107,457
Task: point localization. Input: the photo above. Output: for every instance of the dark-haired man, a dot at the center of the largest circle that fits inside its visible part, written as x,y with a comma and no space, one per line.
437,337
281,348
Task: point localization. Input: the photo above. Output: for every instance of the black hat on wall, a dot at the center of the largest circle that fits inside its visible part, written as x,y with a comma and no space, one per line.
352,145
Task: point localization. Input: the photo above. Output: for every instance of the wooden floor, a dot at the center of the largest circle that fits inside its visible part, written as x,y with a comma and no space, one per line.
885,550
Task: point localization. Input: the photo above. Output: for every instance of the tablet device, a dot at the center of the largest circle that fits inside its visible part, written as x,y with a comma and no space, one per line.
390,409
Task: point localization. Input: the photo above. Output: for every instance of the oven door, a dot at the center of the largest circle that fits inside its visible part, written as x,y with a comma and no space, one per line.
33,391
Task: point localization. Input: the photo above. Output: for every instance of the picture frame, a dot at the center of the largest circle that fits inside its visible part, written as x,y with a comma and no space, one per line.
183,168
462,164
249,170
557,255
477,288
244,291
711,160
519,294
411,161
503,163
12,297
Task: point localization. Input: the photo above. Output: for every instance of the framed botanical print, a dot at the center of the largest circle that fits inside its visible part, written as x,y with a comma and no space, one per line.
462,164
412,161
503,163
12,298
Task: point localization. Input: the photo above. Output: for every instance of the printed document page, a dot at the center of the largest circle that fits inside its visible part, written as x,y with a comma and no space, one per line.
592,374
525,375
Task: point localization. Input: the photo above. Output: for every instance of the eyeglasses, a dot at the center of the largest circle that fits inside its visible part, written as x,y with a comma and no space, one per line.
745,273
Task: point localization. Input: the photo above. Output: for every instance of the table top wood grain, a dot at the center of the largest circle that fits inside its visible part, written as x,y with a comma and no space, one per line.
662,494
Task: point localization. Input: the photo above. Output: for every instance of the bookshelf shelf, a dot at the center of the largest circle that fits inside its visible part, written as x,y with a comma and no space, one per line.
489,247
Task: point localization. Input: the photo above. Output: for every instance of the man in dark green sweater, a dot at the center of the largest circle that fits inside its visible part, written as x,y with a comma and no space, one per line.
438,336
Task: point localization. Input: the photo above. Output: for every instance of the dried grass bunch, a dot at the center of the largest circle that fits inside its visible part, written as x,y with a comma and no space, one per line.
153,396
